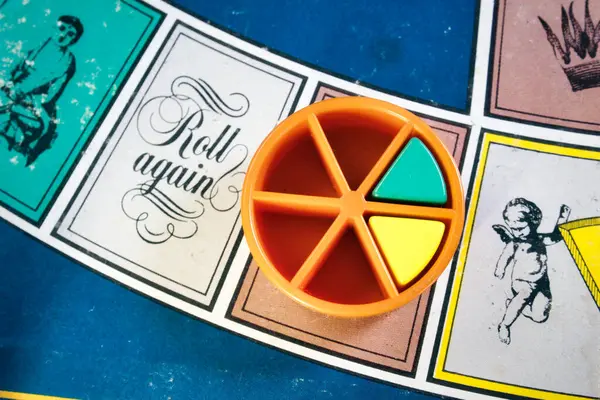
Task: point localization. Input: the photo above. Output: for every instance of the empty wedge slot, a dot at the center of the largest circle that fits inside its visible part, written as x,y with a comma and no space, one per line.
346,277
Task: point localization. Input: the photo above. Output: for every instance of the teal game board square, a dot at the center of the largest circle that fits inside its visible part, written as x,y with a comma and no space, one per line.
62,64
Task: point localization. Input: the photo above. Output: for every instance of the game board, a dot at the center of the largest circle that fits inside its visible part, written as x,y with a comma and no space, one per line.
139,180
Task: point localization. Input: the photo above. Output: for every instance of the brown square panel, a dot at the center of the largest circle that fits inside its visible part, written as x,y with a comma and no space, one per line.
390,341
533,80
454,136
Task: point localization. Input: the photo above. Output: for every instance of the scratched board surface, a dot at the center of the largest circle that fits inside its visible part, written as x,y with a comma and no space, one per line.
106,132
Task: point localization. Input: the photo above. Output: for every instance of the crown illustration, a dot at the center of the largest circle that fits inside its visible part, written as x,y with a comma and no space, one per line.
583,73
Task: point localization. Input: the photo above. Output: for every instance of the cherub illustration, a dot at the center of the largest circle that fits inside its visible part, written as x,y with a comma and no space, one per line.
525,252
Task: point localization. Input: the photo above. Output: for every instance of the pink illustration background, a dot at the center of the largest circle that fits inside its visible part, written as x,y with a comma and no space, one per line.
528,82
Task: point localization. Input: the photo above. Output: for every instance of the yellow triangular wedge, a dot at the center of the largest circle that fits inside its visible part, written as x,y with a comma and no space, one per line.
582,238
406,244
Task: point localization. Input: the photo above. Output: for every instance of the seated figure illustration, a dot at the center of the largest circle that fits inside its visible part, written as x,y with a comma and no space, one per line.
28,112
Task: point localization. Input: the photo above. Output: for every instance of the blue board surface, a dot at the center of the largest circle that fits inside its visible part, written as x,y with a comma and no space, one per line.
67,331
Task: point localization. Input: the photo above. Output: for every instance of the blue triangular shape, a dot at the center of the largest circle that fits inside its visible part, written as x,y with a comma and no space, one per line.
414,177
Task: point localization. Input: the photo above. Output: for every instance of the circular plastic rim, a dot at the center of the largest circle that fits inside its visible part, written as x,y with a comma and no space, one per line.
386,112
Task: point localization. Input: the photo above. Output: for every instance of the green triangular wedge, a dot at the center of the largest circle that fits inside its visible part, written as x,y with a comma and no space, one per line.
413,177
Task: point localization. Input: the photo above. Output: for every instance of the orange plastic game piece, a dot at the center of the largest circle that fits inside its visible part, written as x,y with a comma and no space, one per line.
308,197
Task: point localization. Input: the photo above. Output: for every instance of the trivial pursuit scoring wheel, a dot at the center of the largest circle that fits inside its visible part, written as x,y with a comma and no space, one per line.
352,206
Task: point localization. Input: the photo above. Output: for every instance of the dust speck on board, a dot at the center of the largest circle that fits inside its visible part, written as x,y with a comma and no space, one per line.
104,24
2,16
47,12
94,75
91,87
296,382
74,101
6,27
118,6
87,114
22,20
15,47
366,77
238,12
14,160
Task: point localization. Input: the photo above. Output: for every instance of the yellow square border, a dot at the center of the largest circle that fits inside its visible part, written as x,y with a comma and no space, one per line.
437,373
